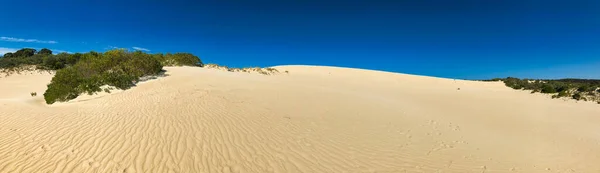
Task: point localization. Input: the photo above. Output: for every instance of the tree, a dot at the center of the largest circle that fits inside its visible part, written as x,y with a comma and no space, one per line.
45,51
25,52
8,55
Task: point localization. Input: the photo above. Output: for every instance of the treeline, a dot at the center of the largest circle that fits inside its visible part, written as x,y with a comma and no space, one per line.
45,59
87,72
579,89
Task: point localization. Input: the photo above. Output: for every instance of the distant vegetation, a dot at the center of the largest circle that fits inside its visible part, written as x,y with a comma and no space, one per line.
578,89
86,72
259,70
44,59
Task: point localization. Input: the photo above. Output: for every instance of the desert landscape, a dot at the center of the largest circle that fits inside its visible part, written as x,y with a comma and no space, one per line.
310,119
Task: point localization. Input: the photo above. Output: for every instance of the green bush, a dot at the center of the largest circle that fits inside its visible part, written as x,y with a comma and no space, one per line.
64,85
546,88
45,51
563,94
86,73
574,88
117,68
577,96
179,59
584,88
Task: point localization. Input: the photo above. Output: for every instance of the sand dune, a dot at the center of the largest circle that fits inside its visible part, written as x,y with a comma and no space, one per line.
314,119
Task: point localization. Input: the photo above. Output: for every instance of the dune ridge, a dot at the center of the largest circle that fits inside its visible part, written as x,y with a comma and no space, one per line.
316,119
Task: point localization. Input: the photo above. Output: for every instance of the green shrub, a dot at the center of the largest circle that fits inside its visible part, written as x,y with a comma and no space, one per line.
546,88
117,68
584,88
562,86
86,73
64,85
178,59
577,96
563,94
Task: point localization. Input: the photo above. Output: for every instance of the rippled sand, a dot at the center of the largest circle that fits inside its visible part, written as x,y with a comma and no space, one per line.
314,119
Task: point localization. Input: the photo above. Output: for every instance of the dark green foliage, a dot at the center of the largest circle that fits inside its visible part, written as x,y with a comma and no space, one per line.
44,59
117,68
179,59
86,73
561,87
577,96
45,51
22,57
584,88
563,94
547,88
514,83
118,79
25,52
8,55
575,88
64,85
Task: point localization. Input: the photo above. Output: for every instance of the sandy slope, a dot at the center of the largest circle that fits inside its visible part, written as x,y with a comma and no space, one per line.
315,119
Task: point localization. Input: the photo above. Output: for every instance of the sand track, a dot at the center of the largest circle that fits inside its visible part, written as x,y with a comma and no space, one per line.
314,119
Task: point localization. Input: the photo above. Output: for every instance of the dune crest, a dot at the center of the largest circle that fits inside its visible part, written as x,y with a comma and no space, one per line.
316,119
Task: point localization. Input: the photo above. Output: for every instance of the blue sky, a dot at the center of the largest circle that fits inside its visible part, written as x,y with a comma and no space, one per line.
468,39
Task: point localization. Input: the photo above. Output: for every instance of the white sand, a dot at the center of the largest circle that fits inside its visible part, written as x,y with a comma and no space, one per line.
315,119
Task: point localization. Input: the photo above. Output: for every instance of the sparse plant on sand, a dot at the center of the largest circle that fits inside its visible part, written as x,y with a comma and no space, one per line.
33,94
259,70
270,69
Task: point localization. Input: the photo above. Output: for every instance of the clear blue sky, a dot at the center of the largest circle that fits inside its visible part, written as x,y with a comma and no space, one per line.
469,39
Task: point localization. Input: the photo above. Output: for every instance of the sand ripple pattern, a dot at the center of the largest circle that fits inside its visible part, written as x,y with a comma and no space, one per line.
316,119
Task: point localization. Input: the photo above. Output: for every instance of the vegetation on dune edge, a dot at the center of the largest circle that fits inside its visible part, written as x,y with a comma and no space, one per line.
259,70
578,89
87,72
